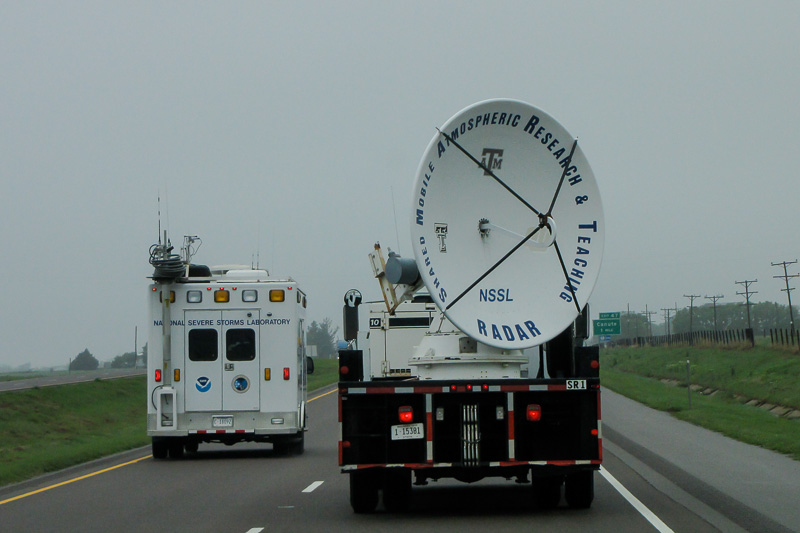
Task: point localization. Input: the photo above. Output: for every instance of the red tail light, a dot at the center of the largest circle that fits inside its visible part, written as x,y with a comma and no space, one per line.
158,375
406,414
533,413
285,373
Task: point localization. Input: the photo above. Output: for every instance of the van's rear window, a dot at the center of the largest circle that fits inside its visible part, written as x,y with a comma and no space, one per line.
203,345
240,344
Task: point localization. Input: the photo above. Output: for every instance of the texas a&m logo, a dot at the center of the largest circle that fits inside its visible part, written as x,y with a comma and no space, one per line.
491,159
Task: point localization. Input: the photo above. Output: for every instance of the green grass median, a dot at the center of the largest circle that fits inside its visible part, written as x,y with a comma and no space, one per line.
50,428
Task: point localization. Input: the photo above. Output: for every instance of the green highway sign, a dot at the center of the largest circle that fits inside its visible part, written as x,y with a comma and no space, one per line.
606,327
609,315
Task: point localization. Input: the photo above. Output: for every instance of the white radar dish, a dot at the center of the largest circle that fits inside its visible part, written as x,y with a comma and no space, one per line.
507,224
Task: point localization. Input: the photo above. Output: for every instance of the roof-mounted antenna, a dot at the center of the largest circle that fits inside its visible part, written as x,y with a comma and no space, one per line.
167,265
394,210
159,218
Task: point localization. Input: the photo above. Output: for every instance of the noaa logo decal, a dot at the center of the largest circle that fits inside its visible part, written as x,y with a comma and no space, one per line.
203,384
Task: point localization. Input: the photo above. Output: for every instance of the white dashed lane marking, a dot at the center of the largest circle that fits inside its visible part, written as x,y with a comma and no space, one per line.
313,486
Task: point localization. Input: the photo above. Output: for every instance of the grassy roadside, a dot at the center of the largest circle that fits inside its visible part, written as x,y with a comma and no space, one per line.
763,373
326,371
738,374
50,428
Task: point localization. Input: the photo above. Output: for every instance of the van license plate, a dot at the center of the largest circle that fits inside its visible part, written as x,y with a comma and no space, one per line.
222,421
408,431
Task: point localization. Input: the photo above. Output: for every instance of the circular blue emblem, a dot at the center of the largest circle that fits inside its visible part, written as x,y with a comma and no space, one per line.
203,384
241,384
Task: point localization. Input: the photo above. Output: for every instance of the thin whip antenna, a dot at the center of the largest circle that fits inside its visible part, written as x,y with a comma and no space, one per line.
394,209
166,208
159,217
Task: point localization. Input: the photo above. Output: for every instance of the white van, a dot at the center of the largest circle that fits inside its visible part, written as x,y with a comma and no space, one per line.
231,366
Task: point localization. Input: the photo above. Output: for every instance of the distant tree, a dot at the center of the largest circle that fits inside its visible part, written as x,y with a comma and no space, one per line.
633,325
84,361
323,335
126,360
763,316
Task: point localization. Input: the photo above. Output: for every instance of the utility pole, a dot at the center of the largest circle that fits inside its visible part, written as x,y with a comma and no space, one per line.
667,311
649,323
788,290
714,300
691,313
747,292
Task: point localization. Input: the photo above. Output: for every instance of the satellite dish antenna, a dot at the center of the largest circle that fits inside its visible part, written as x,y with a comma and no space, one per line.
507,224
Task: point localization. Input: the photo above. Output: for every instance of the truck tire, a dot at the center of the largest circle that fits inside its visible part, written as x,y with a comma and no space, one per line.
579,489
160,448
175,447
192,446
297,446
397,490
280,447
547,492
363,491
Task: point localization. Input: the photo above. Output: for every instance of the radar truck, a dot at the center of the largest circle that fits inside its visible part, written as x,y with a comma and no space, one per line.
226,355
475,365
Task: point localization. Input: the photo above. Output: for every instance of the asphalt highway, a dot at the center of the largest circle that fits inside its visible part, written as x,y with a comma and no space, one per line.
658,475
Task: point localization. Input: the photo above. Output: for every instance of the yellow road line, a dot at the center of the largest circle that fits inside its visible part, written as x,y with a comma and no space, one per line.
74,480
317,397
108,469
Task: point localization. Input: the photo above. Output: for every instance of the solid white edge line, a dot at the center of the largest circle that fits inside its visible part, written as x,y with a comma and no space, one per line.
313,486
639,506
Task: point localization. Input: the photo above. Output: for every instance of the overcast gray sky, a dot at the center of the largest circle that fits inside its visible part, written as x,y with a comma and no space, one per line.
287,128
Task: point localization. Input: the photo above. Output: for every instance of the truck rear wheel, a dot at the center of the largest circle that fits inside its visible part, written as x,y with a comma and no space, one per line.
297,446
175,446
579,489
192,446
364,491
397,490
160,448
547,492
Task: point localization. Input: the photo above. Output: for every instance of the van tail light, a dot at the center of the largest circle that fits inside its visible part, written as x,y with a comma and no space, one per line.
533,413
285,373
158,375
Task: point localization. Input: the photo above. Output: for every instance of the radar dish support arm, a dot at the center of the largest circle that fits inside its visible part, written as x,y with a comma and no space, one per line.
555,241
563,175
